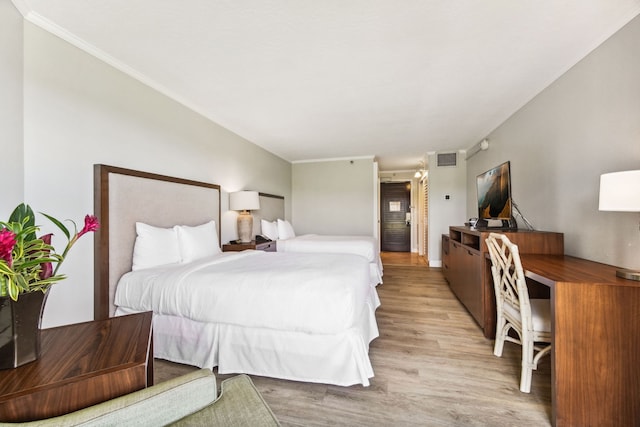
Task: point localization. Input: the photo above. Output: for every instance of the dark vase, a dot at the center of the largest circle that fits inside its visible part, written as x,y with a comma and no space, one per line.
20,329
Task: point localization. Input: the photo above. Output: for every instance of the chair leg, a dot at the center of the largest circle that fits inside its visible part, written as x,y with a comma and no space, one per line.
527,365
500,334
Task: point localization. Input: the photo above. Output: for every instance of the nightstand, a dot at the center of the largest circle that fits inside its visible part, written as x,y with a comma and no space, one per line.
79,365
262,246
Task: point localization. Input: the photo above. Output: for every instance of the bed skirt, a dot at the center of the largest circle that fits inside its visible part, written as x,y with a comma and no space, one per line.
375,269
340,359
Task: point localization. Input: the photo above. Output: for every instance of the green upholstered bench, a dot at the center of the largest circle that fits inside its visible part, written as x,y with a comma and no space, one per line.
189,400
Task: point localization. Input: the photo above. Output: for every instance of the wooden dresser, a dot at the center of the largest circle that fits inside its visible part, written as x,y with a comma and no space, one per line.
467,268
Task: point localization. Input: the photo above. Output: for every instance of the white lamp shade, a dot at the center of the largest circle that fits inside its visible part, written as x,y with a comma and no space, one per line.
244,201
620,191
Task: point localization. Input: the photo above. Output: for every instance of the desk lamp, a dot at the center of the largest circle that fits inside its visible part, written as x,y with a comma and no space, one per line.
620,192
244,201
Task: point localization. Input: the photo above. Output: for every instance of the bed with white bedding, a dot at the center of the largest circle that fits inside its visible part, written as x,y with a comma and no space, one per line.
288,241
363,246
271,298
305,317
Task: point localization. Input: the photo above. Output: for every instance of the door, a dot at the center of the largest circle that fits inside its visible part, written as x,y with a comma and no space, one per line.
395,216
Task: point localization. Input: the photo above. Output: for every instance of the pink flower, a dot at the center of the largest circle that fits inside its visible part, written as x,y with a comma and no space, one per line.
7,242
90,224
29,263
46,269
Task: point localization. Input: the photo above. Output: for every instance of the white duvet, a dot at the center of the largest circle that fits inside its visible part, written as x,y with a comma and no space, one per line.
365,246
315,243
315,293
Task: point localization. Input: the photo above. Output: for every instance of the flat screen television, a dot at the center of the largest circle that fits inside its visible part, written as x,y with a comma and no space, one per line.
494,195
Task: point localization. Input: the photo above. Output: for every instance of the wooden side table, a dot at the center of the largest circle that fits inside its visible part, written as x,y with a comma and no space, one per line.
269,246
80,365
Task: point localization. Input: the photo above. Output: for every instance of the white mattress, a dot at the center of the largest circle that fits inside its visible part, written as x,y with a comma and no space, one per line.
365,246
306,317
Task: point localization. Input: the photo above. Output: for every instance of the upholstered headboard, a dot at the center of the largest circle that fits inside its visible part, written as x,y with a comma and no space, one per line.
271,208
123,197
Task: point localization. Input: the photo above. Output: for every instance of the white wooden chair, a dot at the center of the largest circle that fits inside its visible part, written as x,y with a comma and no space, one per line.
530,319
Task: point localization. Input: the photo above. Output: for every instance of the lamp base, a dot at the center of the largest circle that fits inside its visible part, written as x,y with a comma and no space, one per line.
628,274
245,226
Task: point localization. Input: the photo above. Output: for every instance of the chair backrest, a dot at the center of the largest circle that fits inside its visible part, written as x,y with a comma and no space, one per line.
508,277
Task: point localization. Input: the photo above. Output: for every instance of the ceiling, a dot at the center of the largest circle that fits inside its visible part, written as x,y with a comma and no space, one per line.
324,79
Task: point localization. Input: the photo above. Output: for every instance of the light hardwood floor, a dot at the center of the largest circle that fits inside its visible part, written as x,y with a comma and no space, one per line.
432,365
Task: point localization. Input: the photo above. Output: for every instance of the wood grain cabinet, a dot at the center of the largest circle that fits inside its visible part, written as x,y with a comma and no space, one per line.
467,283
467,267
446,259
80,365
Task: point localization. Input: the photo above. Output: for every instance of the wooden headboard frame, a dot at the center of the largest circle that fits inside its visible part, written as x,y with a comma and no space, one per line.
271,208
123,197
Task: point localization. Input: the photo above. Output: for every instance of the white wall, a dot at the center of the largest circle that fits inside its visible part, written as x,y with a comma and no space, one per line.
79,111
445,181
584,124
334,197
11,108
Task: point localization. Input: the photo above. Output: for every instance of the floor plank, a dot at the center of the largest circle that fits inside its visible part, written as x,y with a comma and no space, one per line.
433,367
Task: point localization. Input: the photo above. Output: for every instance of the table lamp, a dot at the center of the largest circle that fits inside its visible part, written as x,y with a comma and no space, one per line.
620,192
244,201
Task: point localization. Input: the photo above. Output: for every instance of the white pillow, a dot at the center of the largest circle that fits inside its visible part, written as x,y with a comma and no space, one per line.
154,246
197,242
285,230
269,229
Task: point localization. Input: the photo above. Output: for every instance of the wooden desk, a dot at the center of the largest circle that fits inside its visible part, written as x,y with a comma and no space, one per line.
595,358
80,365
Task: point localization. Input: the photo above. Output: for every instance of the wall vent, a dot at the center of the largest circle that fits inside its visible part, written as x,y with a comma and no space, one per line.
447,159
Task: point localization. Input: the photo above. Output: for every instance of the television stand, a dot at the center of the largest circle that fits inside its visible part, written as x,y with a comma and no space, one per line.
467,268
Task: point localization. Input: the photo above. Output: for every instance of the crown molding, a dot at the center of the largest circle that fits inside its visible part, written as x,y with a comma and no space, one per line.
335,159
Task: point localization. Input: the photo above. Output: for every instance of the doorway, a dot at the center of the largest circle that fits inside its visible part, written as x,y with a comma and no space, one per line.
395,216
